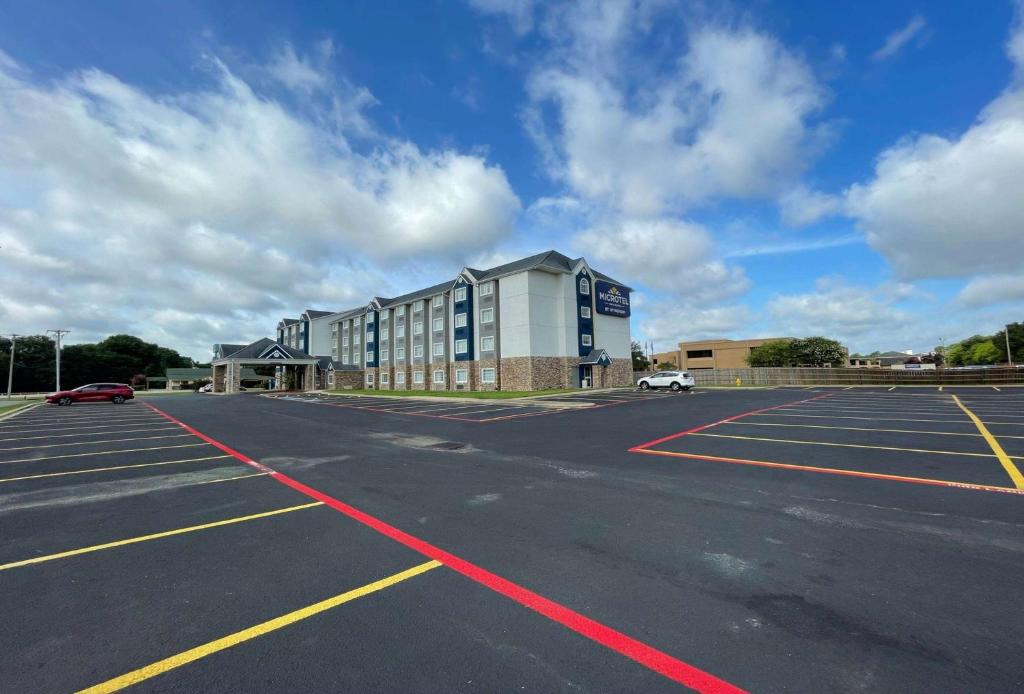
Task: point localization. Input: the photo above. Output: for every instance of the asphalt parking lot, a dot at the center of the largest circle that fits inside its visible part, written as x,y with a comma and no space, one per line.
764,540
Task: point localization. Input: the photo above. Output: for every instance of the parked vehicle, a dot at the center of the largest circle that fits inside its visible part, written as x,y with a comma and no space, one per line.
116,393
676,380
208,388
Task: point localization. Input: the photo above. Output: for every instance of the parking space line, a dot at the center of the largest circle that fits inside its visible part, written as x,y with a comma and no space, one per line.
638,651
1005,460
193,654
99,433
835,471
845,445
110,469
892,389
894,431
154,536
232,479
77,425
82,455
90,443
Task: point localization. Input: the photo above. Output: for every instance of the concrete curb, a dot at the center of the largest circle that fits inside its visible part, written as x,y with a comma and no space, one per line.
532,400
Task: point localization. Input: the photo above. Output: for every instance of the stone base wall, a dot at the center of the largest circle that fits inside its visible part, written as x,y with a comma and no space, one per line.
381,370
538,373
619,374
347,380
401,369
370,370
426,377
489,363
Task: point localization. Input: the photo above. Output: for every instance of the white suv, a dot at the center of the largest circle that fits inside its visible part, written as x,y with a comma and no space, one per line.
676,380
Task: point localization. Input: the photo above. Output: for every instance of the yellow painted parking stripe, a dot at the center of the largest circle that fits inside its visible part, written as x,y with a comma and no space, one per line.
1004,460
109,469
832,426
155,536
843,445
774,413
91,443
82,455
98,433
194,654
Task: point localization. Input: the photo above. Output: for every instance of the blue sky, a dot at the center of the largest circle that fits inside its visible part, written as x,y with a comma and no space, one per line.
193,171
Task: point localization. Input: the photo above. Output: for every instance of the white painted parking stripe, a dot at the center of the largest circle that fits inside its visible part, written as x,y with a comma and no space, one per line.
91,443
98,433
118,452
37,430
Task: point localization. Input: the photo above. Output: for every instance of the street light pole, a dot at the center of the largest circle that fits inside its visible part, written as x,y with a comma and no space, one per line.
1009,356
57,334
10,369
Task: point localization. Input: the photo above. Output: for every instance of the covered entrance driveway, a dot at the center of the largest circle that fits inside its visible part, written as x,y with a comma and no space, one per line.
594,369
297,369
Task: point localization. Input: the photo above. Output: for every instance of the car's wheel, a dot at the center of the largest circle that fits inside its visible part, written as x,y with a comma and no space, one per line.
64,401
117,399
644,385
686,387
676,387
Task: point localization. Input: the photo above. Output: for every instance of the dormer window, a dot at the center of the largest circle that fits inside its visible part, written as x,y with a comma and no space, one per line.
585,286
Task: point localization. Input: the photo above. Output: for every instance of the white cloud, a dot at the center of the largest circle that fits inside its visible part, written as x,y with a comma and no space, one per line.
834,309
991,289
302,73
644,145
670,322
952,206
669,255
895,41
217,202
800,206
519,12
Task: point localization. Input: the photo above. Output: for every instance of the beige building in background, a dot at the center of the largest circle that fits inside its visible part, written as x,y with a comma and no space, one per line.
710,354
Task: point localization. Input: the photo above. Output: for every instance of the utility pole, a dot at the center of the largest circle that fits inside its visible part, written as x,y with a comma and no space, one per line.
1009,355
10,369
58,333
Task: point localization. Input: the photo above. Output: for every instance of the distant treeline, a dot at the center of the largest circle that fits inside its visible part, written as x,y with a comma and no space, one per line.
119,359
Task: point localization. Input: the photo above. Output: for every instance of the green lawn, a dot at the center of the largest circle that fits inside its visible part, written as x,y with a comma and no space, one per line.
479,395
9,406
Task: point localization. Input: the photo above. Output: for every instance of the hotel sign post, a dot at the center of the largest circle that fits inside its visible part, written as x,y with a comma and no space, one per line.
612,299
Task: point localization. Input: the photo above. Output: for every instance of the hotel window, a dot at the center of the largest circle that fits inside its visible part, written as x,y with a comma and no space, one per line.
460,320
438,349
587,340
400,378
487,315
585,286
487,343
439,376
487,288
400,311
344,359
334,328
369,379
461,346
384,332
462,376
384,313
334,351
344,341
417,328
400,330
487,376
418,306
417,351
384,354
439,301
369,357
369,336
417,377
369,317
439,324
355,339
355,358
384,379
460,293
400,353
584,312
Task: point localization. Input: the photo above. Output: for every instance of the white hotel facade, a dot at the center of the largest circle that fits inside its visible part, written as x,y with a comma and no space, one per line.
546,321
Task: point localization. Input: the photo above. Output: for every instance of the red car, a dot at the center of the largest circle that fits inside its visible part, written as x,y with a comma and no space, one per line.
116,393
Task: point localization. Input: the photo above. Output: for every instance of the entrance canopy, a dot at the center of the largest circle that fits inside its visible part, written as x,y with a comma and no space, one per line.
597,357
294,365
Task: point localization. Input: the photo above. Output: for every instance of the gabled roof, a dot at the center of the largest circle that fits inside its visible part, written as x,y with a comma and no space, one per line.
258,349
287,321
312,314
419,294
349,313
596,356
224,349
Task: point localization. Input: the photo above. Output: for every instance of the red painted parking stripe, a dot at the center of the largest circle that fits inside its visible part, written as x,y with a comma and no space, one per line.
648,656
639,448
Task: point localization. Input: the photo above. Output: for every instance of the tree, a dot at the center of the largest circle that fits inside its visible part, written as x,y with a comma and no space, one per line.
817,351
640,361
34,364
1016,342
985,353
667,365
772,353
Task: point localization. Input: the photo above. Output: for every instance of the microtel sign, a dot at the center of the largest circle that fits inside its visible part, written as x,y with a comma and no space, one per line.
612,300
